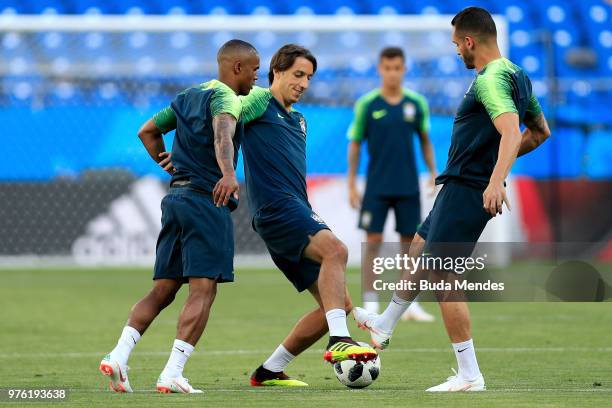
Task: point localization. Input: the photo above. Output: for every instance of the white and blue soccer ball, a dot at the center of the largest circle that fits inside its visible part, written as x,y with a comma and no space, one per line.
355,374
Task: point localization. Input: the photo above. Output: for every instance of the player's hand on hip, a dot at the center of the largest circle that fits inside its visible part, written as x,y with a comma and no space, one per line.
354,198
166,162
224,189
494,197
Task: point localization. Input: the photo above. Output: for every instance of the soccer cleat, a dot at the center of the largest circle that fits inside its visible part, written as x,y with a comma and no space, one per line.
417,313
455,383
116,373
367,321
344,348
178,385
266,378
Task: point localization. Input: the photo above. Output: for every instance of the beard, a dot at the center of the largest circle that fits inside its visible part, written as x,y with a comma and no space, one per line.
468,60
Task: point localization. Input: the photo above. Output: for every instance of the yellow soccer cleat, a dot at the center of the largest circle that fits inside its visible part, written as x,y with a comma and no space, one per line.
266,378
346,349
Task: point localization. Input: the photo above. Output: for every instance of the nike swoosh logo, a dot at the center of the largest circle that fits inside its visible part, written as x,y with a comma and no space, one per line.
461,351
182,351
184,390
134,340
121,378
379,114
280,116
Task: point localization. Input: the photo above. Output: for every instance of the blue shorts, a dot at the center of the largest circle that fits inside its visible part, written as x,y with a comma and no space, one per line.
374,211
457,216
196,239
286,227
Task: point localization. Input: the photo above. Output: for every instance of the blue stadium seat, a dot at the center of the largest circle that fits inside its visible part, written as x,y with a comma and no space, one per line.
265,7
560,156
138,7
325,7
599,154
174,7
52,6
13,7
20,91
390,7
88,6
216,7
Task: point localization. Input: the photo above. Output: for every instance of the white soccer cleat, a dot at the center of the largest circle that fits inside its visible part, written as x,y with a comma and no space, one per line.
116,373
175,385
455,383
367,321
417,313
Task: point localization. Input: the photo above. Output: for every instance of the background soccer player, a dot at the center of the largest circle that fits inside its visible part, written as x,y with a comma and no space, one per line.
388,118
485,142
299,242
195,244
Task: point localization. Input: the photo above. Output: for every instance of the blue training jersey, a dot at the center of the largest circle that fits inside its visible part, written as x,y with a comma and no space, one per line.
274,150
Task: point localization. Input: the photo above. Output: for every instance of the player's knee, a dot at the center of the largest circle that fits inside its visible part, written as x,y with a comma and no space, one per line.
205,289
164,295
338,252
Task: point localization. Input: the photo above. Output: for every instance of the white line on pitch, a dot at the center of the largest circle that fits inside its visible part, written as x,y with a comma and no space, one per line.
255,352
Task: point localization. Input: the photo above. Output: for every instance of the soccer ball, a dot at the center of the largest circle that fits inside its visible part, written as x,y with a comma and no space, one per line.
355,374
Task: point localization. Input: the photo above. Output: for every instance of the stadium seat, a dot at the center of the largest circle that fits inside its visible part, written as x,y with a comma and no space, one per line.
560,156
46,7
94,7
216,7
325,7
138,7
599,154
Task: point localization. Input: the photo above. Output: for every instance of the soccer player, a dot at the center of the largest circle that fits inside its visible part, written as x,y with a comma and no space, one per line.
388,119
299,242
485,142
195,244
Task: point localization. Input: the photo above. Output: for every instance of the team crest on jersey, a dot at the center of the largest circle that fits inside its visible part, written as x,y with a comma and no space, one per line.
303,126
409,111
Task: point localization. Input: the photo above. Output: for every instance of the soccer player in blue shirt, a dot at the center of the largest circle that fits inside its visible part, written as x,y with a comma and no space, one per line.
298,240
486,140
196,243
388,119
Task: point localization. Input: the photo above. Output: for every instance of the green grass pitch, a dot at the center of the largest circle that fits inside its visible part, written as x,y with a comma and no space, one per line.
55,326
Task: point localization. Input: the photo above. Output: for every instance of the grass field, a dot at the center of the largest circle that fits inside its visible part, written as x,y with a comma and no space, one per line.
57,324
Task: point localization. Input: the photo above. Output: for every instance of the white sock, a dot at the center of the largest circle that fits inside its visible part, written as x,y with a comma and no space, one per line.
279,360
127,341
370,301
466,360
178,357
336,321
392,314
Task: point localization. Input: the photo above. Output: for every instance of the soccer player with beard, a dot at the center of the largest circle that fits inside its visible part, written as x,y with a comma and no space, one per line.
486,140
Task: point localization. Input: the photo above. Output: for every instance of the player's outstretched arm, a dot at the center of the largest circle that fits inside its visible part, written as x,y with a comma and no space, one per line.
535,134
152,139
224,126
354,153
507,124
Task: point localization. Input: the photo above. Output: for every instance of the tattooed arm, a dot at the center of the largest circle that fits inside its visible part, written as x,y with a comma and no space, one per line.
224,127
535,134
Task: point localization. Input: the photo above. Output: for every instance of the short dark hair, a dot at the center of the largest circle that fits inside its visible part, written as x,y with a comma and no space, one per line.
285,57
235,46
476,21
392,52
